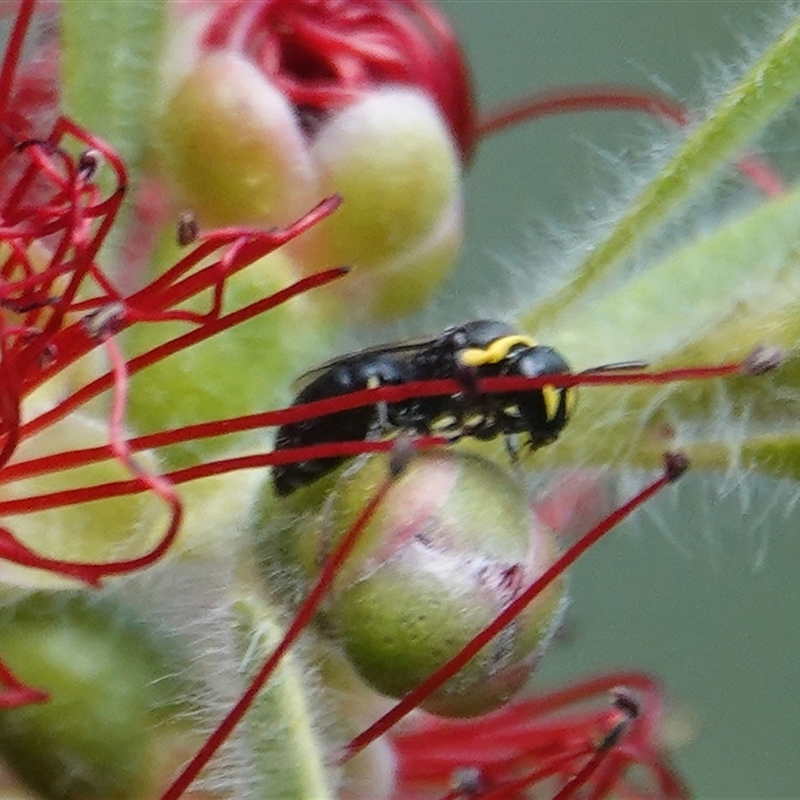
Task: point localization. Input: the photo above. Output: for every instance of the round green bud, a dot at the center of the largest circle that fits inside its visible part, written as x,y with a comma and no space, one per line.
449,547
112,728
392,159
231,142
242,370
99,531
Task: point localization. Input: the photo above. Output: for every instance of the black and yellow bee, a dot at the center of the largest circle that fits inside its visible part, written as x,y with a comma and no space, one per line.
467,353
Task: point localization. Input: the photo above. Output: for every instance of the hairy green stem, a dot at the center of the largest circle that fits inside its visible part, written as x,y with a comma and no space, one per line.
771,84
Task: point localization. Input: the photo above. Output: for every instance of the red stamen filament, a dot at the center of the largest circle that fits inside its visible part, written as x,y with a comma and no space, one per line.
302,618
89,572
36,351
414,698
323,55
561,763
536,737
675,466
365,397
82,220
148,481
13,52
609,97
14,693
77,341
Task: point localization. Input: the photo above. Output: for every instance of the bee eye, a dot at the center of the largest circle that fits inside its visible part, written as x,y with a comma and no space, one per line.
459,339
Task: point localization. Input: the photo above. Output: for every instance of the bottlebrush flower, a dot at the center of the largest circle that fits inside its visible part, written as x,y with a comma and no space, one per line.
108,691
273,104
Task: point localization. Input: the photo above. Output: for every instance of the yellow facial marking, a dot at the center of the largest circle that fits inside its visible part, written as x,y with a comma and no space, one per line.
571,401
495,352
373,382
552,400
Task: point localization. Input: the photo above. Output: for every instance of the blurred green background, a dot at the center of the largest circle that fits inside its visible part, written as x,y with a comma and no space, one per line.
700,589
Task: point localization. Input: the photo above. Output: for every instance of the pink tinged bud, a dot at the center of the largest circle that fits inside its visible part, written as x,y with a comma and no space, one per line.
451,545
233,145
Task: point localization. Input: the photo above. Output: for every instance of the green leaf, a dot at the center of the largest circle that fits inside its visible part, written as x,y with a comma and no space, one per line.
765,90
776,453
749,266
713,301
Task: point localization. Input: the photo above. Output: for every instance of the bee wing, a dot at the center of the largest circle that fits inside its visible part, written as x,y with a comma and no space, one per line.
408,346
619,366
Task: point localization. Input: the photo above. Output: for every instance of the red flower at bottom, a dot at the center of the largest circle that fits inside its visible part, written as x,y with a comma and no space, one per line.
597,738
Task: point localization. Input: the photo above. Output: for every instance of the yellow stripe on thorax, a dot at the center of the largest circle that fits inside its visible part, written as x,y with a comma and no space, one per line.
495,352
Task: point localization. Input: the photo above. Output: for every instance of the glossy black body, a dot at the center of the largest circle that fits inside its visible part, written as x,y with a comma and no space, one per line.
467,413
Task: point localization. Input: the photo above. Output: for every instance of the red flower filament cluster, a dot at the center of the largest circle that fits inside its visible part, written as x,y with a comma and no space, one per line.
321,55
540,740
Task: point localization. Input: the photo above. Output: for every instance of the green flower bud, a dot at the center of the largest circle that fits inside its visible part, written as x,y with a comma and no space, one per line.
453,543
238,152
227,375
112,728
392,159
98,531
398,287
233,146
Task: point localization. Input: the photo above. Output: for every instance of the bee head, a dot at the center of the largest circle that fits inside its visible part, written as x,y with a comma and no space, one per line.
544,411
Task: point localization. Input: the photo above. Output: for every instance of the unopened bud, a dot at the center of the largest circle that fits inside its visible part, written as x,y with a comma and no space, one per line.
452,544
233,146
111,726
392,159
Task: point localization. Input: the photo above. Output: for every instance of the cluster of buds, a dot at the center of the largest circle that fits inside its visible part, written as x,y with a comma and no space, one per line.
272,105
169,625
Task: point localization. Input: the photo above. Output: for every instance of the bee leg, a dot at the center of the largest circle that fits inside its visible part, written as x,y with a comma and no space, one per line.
454,436
381,425
512,449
